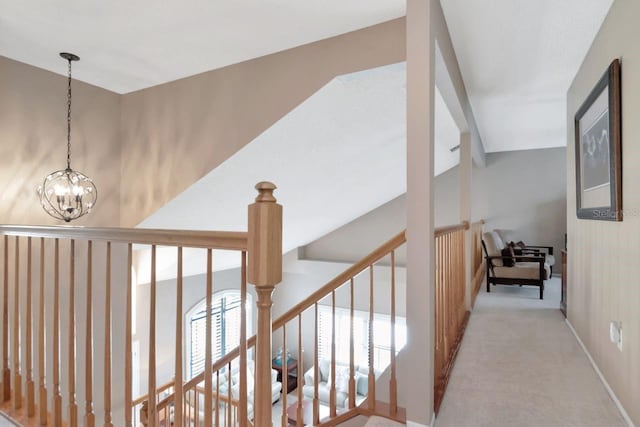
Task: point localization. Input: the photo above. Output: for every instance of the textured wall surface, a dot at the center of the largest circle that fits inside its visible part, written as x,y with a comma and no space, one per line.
520,190
167,136
176,133
33,142
603,256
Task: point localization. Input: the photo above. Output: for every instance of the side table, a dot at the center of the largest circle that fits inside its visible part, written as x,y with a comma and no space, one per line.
292,375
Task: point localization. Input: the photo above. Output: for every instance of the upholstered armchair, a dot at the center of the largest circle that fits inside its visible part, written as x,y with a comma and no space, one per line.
530,269
507,236
361,374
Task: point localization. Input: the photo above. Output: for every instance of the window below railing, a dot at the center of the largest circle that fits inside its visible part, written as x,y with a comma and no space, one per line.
225,322
381,336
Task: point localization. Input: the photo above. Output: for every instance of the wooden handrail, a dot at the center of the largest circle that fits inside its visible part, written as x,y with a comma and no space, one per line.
261,245
339,280
357,268
345,277
223,397
162,388
227,240
220,396
440,231
218,364
450,308
366,263
477,263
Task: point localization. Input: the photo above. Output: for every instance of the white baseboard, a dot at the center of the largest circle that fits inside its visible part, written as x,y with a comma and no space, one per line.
602,378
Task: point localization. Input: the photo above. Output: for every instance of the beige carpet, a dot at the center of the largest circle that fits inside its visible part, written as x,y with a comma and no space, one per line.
520,365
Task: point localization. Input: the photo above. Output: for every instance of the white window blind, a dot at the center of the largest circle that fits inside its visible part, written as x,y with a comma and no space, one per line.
381,336
225,323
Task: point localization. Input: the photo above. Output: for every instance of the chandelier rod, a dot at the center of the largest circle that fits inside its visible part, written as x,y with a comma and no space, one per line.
69,119
69,57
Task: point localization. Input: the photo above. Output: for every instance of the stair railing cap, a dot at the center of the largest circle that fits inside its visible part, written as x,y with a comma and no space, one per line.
265,192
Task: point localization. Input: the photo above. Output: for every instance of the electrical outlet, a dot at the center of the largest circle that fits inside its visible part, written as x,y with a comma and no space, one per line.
615,333
619,336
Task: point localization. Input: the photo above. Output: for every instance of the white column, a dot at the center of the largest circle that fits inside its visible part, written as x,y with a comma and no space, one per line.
465,207
416,369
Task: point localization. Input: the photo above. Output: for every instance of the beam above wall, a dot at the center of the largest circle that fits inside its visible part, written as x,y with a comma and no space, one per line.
449,82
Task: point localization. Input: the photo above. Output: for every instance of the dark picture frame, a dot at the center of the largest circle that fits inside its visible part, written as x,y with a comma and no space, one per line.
598,147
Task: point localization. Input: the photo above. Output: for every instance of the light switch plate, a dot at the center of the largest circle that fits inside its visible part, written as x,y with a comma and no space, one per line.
613,331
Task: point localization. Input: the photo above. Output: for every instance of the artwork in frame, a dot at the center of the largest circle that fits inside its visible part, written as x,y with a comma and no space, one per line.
598,146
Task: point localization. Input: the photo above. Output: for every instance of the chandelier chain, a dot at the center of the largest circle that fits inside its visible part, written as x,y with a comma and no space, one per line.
69,119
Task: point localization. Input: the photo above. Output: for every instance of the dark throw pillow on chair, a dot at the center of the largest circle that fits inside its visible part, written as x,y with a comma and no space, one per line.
517,250
510,260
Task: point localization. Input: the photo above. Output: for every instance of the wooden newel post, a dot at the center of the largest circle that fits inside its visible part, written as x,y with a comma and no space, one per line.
264,272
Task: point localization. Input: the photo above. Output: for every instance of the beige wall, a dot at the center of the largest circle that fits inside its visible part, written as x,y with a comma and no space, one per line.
194,291
176,133
520,190
524,191
447,198
356,239
167,136
603,256
33,141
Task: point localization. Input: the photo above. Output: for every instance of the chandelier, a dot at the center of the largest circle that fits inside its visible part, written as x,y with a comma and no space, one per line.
67,194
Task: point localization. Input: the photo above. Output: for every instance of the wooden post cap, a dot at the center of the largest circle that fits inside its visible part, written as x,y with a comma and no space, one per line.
265,192
265,238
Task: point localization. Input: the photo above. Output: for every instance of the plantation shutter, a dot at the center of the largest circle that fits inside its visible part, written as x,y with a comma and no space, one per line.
231,318
381,332
343,327
198,331
324,332
225,323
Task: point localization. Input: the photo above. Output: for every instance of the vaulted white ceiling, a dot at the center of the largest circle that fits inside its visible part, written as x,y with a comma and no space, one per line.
518,58
335,157
129,45
342,152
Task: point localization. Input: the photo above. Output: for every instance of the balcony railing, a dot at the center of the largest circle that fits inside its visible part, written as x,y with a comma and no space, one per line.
68,326
67,292
477,262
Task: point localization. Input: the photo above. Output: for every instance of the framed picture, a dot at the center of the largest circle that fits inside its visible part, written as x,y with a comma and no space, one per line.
599,150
